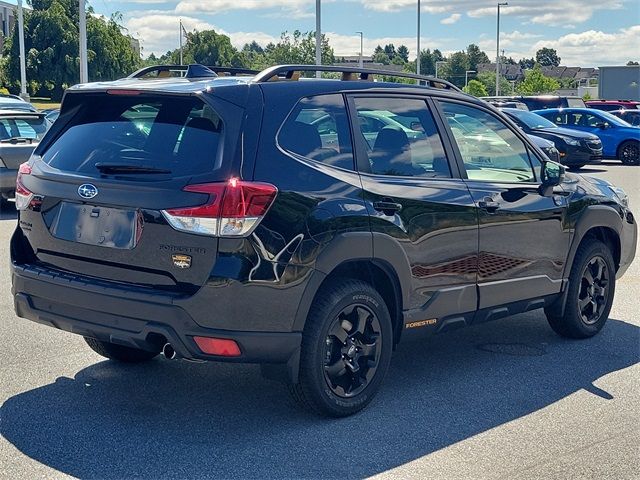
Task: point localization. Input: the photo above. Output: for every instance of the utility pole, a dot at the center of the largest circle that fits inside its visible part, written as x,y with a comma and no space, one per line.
318,38
418,42
361,62
84,68
502,4
23,60
181,43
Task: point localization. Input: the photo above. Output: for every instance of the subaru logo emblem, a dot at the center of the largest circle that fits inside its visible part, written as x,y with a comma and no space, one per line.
87,190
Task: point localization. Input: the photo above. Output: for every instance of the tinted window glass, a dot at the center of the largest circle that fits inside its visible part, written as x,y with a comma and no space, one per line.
318,129
24,127
401,138
179,134
489,149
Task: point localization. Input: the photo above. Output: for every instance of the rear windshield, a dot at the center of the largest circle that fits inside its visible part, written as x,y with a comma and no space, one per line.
32,128
177,135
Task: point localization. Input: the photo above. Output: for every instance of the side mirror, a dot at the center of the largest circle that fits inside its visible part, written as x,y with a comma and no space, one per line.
552,175
416,126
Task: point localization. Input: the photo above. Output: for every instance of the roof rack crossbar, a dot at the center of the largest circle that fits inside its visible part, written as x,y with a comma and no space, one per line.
194,71
287,71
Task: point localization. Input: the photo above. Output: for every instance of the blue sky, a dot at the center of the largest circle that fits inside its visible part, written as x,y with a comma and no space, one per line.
585,32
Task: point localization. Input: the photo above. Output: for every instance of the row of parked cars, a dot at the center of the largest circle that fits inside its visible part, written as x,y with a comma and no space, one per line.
582,132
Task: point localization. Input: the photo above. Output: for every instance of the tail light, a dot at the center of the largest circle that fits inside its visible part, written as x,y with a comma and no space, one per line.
24,196
234,208
218,346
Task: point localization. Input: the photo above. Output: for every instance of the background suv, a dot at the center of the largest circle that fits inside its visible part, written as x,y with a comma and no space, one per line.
208,218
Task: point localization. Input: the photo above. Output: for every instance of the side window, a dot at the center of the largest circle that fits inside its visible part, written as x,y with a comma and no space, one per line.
593,121
490,150
400,137
318,128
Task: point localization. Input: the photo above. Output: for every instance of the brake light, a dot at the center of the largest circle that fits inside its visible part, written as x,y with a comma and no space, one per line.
24,196
234,208
218,346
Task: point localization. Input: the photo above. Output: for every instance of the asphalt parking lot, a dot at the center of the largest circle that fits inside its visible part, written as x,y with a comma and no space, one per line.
507,400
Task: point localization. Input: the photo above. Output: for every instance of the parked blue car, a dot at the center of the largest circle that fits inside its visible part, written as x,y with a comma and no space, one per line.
619,139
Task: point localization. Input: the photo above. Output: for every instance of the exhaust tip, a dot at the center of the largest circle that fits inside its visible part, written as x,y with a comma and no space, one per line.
168,351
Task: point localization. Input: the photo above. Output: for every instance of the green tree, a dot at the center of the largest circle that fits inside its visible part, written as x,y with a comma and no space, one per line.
476,56
476,88
547,57
390,50
631,63
527,63
52,50
455,68
403,53
536,83
488,79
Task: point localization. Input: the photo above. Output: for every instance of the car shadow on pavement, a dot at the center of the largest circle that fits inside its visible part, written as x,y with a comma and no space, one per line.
7,211
179,419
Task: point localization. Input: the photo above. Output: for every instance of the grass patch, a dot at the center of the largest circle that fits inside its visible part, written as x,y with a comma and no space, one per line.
42,103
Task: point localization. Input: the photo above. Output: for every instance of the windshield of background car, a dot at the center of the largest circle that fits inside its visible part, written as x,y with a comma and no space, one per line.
532,120
32,128
181,135
575,103
611,118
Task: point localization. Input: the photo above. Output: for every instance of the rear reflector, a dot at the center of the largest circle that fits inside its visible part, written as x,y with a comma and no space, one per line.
218,346
233,209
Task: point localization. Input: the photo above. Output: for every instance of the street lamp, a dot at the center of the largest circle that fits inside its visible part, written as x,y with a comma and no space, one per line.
501,4
23,61
441,62
84,69
466,76
361,63
418,42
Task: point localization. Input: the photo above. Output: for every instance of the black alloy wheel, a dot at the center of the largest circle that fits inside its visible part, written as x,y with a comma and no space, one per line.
352,354
594,291
629,153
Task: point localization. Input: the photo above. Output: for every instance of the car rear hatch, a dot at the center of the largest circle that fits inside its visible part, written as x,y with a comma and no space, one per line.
98,195
19,136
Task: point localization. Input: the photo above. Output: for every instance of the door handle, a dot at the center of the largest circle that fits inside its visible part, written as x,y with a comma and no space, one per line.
388,207
489,204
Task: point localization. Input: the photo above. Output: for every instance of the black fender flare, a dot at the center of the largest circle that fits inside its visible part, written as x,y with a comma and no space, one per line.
593,216
380,249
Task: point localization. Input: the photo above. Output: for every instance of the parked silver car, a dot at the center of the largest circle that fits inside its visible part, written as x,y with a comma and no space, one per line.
20,132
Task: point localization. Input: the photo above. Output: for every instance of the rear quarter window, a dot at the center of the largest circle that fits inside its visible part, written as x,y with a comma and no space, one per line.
182,135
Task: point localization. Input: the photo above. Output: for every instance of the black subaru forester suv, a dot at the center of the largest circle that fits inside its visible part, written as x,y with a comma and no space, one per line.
307,225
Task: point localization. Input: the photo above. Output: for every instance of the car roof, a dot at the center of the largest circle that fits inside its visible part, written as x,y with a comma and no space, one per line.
19,113
164,85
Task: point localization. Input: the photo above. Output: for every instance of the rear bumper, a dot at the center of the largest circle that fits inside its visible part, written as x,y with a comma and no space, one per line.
7,182
141,321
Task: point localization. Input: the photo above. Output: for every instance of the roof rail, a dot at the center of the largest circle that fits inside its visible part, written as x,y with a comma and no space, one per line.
193,71
291,72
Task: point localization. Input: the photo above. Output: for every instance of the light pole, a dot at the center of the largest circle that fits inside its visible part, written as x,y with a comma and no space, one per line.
361,62
180,27
466,76
441,62
23,60
318,39
502,4
84,69
418,42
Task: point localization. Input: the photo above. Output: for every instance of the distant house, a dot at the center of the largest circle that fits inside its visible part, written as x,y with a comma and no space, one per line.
7,19
513,73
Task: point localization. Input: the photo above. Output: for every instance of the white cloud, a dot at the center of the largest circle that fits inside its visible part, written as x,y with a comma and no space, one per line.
290,8
596,48
450,20
547,12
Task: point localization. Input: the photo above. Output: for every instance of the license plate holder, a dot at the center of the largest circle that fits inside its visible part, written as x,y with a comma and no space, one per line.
97,225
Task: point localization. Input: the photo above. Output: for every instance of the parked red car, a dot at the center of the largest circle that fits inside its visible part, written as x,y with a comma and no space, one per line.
611,105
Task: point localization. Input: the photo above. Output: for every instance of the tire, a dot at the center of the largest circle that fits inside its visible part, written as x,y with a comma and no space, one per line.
575,168
588,303
629,152
118,352
346,349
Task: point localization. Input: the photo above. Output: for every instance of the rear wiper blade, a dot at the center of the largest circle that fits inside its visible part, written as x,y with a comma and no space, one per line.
17,140
128,168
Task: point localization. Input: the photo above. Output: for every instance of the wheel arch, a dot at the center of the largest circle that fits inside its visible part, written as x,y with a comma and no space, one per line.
351,255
